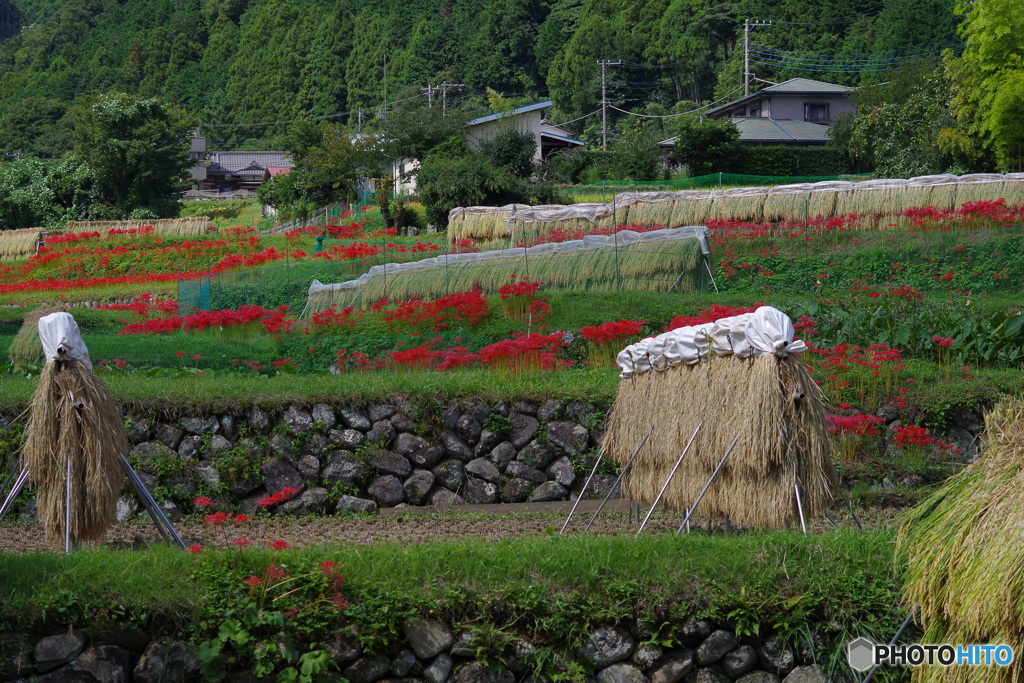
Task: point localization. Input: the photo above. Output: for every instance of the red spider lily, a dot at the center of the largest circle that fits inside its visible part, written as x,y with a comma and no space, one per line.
217,518
859,424
195,549
615,331
715,312
203,502
240,518
253,581
242,542
944,342
280,545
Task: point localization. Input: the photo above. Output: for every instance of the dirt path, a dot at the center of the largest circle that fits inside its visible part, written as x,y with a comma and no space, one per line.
411,525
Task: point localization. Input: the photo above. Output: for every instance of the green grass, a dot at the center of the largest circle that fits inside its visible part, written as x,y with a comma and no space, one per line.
231,391
554,588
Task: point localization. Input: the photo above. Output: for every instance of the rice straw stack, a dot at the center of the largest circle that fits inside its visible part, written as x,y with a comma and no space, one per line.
963,550
646,266
19,244
978,187
1013,189
781,440
26,348
691,207
73,417
740,203
786,202
163,227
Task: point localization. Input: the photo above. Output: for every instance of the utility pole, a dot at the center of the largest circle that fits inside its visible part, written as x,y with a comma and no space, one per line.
604,102
746,50
430,95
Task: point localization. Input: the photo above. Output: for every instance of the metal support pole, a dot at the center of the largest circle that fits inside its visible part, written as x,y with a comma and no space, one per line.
686,520
67,510
19,482
618,479
163,524
906,622
669,480
799,505
586,484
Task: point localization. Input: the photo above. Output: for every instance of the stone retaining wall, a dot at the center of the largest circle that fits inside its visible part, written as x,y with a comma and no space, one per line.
431,651
358,459
393,453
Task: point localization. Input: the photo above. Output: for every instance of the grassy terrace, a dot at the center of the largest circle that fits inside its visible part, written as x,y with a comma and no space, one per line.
544,588
224,392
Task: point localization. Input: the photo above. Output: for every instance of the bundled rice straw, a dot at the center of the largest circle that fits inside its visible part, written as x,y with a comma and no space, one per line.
978,187
73,418
691,207
19,244
881,197
963,552
786,202
738,203
164,227
1013,189
782,439
650,261
26,348
932,190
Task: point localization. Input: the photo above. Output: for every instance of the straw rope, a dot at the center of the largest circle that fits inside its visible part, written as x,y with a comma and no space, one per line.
165,227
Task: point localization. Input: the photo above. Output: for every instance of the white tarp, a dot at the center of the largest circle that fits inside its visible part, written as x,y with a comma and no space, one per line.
765,331
62,339
621,239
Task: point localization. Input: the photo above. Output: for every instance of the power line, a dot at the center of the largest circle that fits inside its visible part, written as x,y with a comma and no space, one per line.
302,118
684,113
596,111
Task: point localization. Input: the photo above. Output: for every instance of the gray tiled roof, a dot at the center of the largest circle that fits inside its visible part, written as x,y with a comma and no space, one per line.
801,86
236,161
757,129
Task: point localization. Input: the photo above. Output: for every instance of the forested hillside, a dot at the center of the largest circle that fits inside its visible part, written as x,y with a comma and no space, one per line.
256,61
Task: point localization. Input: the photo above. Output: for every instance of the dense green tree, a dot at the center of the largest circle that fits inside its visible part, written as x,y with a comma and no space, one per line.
916,134
413,128
512,150
332,167
501,55
707,145
988,78
137,148
35,126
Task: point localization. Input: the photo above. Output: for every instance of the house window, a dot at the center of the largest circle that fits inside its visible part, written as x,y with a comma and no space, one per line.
815,113
738,114
755,110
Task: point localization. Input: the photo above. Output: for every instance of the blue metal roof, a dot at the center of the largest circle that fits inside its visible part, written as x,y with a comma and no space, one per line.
563,138
511,112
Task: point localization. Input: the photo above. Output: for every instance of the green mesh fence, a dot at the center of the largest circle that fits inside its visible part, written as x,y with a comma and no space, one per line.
705,182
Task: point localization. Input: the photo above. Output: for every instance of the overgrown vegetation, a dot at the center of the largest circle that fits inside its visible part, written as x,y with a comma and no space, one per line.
552,589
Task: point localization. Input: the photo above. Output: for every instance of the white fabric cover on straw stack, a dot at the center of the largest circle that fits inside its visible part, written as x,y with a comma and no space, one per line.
62,339
765,331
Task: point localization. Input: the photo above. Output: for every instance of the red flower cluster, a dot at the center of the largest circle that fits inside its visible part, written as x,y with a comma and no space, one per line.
280,497
145,305
715,312
612,332
857,425
944,342
912,435
247,315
